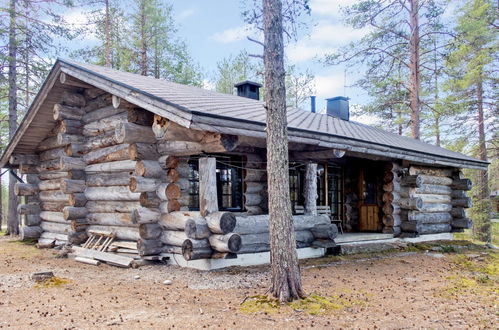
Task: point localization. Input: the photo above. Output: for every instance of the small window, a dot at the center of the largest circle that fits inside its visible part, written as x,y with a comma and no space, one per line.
229,183
252,89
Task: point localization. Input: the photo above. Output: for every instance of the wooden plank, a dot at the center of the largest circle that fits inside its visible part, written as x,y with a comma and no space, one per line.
103,256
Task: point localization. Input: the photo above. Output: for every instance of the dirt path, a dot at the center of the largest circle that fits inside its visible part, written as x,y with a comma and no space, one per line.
389,291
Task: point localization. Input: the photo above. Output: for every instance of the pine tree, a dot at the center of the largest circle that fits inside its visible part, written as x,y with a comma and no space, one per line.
299,86
392,53
234,69
472,82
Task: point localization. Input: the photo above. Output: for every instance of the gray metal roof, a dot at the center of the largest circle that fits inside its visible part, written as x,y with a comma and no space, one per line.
200,108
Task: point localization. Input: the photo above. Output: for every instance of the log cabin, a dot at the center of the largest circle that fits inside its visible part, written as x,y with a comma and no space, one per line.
171,169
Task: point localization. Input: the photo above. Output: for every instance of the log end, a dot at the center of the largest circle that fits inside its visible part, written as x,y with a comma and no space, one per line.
227,222
234,243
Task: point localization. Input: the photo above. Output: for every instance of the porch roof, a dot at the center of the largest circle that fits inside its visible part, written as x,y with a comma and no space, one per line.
198,108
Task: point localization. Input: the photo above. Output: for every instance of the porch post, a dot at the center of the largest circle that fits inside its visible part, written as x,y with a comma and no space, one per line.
208,201
310,189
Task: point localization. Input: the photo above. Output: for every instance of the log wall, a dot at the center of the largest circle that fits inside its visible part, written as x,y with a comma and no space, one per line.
431,200
255,185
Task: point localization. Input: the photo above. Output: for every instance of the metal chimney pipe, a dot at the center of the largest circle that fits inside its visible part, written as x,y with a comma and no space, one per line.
312,104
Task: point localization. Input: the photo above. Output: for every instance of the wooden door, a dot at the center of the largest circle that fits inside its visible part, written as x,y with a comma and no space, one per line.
369,218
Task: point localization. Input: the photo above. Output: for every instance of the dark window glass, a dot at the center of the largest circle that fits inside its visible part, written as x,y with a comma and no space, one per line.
229,183
335,190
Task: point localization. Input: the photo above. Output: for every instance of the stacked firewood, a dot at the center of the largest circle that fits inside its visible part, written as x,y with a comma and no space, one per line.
427,202
310,230
391,196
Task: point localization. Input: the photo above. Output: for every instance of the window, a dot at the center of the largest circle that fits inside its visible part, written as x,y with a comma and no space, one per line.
335,191
229,183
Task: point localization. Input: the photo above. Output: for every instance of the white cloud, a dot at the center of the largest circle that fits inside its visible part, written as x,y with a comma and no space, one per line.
233,34
329,85
77,17
185,14
324,38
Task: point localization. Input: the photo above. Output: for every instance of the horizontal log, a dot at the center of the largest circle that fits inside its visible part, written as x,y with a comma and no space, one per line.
463,202
72,213
116,193
88,261
324,231
458,212
98,103
53,206
177,220
461,184
252,199
110,219
118,166
32,220
225,243
18,159
411,181
221,222
149,169
52,216
177,238
428,217
144,215
53,196
108,154
150,231
256,175
104,125
132,133
111,206
458,194
187,148
31,208
255,187
436,207
73,99
108,179
31,232
67,139
435,171
168,161
169,206
32,178
195,254
72,186
25,189
123,233
410,203
425,189
62,112
52,154
77,175
462,223
425,228
197,228
77,199
147,247
438,180
71,163
100,141
143,151
68,126
150,200
55,227
260,223
141,184
28,169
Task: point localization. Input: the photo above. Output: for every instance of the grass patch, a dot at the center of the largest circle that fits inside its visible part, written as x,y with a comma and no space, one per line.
52,282
478,275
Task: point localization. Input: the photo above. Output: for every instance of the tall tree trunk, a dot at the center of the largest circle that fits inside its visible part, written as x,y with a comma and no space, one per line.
414,68
286,280
143,46
483,182
437,129
12,220
1,204
108,36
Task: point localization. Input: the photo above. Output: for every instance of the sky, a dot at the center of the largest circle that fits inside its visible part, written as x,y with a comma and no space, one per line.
215,29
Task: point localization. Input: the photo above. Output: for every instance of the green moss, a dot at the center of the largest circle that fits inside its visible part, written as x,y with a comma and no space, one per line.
52,282
20,249
260,303
315,304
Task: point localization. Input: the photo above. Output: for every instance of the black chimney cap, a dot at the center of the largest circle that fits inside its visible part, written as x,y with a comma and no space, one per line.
248,82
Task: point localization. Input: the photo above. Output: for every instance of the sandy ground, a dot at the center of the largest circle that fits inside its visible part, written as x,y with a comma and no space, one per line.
399,290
